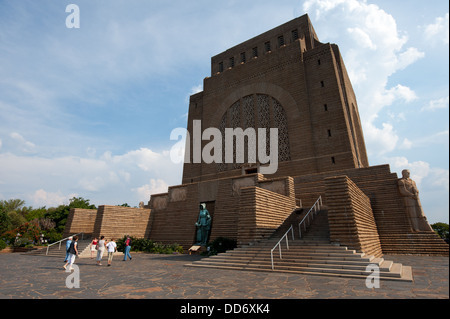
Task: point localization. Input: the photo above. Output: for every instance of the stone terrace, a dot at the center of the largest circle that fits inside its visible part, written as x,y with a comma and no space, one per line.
165,277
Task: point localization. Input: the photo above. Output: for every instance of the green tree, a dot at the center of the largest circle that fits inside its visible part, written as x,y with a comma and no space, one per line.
5,221
16,219
11,205
442,229
60,213
37,213
12,213
80,202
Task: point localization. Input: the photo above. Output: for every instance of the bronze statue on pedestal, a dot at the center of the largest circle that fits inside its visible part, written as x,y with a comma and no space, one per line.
203,226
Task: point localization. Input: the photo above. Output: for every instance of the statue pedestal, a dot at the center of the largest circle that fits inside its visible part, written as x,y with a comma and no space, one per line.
196,250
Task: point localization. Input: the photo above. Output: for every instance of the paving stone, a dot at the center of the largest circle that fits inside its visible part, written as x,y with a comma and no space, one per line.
165,277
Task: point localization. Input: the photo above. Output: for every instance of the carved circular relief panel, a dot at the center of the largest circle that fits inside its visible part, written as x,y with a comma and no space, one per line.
256,111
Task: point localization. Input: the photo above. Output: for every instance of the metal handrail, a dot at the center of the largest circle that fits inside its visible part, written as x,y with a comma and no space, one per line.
316,207
60,241
291,229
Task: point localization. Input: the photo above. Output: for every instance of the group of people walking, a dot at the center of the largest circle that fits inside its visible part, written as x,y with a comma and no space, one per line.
96,245
100,246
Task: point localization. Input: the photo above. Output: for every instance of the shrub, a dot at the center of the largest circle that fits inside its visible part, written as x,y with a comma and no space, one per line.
2,244
221,245
52,236
149,246
30,231
9,236
23,242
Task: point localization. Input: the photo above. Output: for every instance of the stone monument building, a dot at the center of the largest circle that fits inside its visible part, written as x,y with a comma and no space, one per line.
287,79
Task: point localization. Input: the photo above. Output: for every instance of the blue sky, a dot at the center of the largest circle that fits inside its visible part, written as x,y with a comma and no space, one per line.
88,112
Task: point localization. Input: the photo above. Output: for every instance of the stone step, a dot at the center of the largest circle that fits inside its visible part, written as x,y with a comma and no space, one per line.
322,259
422,242
313,254
384,266
331,261
325,255
316,259
294,250
397,273
418,252
293,266
294,247
297,242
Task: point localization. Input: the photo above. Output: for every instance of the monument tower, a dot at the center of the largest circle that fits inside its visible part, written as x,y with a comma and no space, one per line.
286,79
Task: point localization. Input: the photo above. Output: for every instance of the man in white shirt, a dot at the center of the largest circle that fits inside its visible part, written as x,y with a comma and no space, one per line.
112,248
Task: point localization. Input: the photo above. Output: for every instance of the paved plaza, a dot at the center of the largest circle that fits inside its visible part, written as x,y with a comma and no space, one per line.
149,276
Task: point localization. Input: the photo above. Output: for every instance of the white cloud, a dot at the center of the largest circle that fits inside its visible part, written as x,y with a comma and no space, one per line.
362,37
439,30
92,184
408,57
144,158
108,177
427,140
399,117
421,172
387,140
419,169
398,93
42,198
374,51
382,140
22,143
436,104
440,178
90,151
196,89
406,144
156,186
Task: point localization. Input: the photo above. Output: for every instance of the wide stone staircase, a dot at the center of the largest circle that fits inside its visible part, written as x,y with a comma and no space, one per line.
312,255
60,252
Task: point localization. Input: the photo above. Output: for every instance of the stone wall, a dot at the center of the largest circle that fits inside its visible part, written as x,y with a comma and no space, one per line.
350,216
377,183
248,203
261,212
174,215
117,221
380,186
80,220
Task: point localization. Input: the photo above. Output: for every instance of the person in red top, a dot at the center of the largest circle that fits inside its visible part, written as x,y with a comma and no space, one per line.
127,248
94,247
